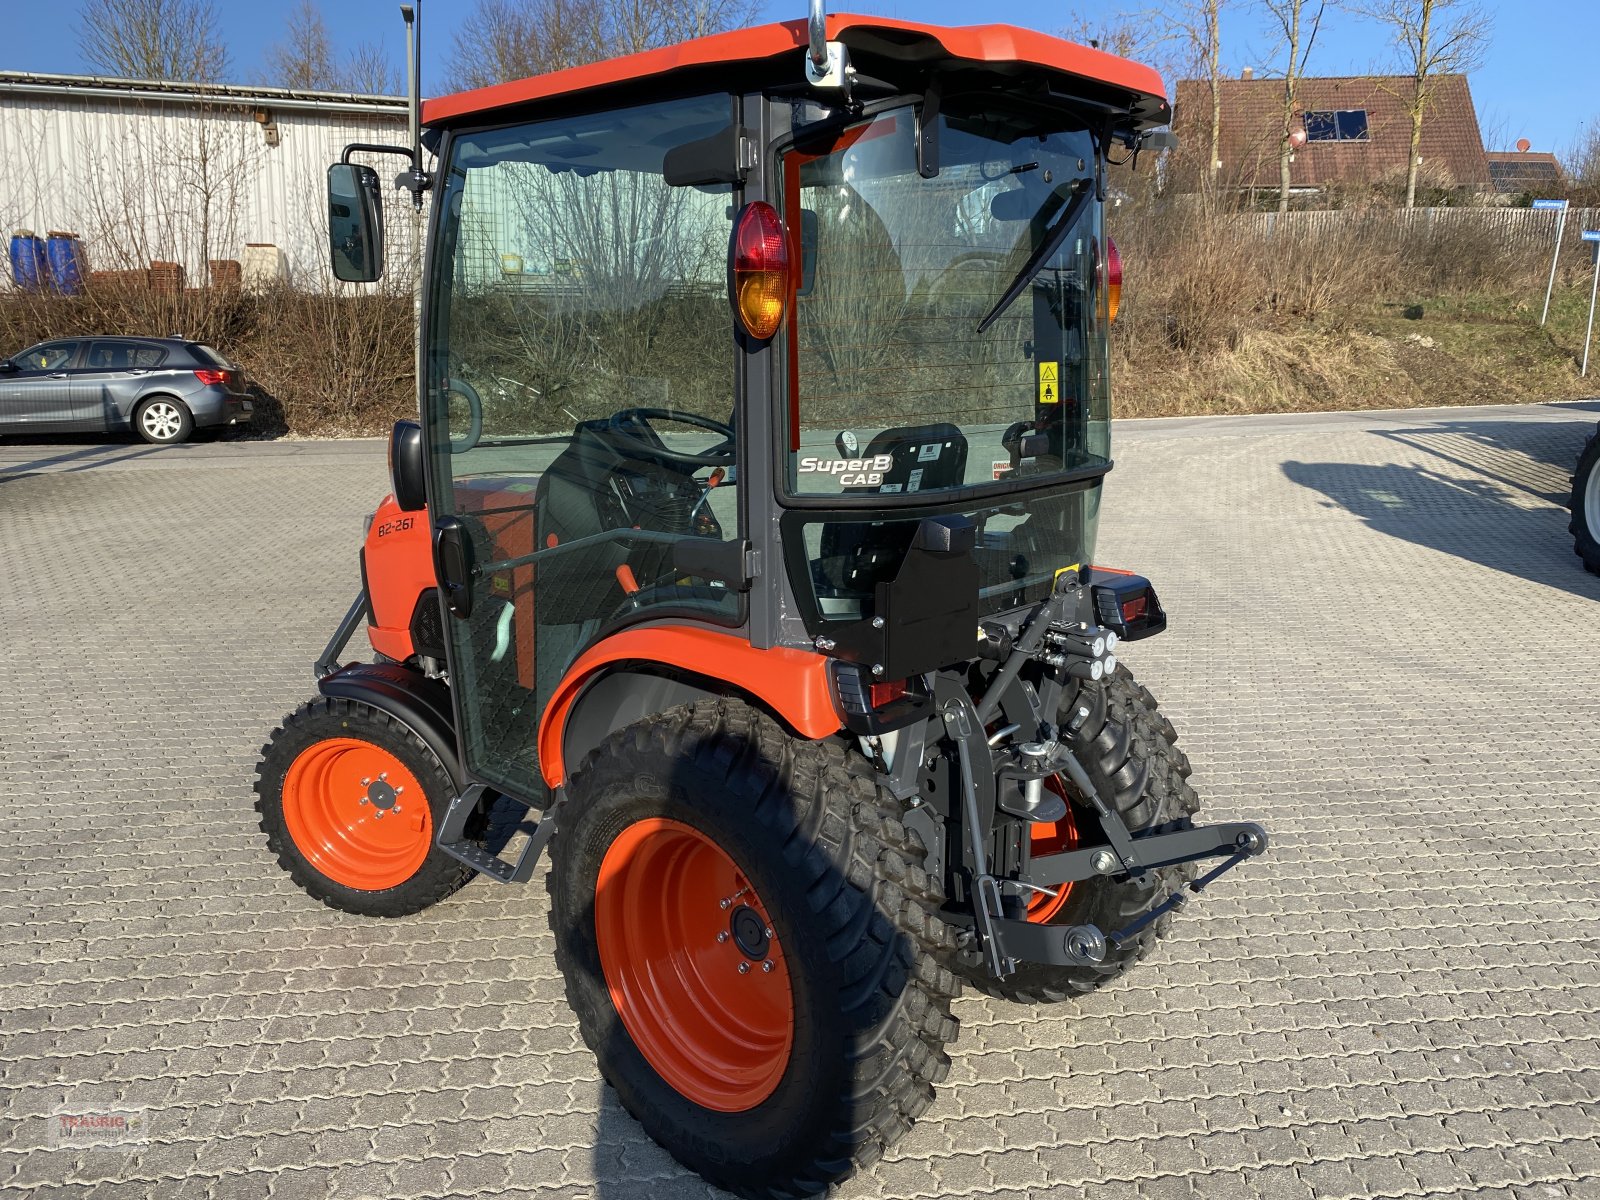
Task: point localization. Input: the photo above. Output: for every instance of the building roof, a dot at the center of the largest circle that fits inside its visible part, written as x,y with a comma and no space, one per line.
1251,124
1523,171
903,42
102,87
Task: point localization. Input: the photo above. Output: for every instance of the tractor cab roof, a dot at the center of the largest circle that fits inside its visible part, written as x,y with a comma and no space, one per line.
902,53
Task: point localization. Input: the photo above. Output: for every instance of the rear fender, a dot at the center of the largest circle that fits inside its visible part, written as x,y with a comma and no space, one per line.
620,681
421,704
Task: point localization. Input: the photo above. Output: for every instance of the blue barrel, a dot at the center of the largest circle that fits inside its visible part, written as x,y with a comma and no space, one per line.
65,253
29,267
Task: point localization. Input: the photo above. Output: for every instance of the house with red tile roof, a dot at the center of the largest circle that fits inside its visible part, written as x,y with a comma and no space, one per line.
1358,131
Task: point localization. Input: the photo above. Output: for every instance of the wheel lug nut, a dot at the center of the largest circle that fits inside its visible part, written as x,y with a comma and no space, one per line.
399,790
726,902
366,782
383,775
744,968
396,808
723,936
364,800
766,967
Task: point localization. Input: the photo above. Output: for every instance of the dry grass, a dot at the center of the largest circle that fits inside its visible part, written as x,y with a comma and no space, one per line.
1217,318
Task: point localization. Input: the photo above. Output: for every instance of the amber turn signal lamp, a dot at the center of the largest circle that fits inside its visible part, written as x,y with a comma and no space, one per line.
761,280
1113,280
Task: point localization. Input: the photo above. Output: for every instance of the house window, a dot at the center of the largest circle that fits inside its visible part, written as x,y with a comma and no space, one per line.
1343,125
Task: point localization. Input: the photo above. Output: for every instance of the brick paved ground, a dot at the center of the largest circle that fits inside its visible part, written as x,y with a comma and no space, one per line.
1382,646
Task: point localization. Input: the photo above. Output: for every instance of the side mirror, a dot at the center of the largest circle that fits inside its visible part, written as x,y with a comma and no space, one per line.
7,367
406,477
355,222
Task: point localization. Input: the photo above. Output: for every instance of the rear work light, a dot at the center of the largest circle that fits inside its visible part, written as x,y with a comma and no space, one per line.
761,279
1113,280
210,377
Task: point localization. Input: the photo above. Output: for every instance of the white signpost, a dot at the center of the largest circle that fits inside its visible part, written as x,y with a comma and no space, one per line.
1560,208
1591,235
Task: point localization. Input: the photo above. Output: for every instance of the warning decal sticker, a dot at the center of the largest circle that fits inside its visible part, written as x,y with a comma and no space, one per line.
1049,383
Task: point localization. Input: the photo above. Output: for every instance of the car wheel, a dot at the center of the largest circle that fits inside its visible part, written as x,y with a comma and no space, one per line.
163,421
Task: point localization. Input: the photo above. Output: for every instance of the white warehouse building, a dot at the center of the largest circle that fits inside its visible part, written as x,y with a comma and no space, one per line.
149,174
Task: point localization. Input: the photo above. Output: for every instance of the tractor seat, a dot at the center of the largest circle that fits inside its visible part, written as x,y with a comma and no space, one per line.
926,457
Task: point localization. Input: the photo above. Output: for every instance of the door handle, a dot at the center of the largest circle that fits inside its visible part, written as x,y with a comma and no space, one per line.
56,375
453,564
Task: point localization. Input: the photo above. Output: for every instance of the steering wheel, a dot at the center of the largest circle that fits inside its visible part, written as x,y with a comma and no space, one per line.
474,401
625,423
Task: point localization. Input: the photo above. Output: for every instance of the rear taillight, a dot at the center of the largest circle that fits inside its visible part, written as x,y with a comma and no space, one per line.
886,693
210,377
761,279
1113,280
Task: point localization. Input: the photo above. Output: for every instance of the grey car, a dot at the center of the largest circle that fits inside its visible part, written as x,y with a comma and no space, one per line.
161,388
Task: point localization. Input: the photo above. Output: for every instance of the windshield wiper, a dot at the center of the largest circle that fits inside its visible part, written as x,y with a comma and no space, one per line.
1045,252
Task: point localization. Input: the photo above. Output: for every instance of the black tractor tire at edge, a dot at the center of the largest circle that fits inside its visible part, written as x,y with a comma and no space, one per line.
824,847
1129,751
1586,541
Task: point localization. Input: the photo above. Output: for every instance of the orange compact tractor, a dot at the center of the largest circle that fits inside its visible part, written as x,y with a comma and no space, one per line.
744,543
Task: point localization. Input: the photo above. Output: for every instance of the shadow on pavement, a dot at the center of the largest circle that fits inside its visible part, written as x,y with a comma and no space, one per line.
1499,498
86,459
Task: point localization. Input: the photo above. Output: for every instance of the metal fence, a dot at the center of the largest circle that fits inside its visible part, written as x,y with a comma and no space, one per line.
1518,226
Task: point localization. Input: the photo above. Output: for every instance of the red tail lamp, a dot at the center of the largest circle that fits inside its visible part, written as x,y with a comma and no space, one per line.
1113,280
761,279
211,378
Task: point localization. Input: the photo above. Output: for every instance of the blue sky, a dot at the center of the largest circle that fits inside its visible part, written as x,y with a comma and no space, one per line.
1535,81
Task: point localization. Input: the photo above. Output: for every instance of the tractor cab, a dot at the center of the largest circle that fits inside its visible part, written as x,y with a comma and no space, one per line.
706,342
745,540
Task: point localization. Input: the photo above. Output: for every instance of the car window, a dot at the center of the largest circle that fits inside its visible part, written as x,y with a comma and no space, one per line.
207,354
123,356
52,356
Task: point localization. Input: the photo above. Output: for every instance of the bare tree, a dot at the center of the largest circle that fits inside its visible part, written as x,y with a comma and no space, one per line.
304,59
506,39
1204,29
369,71
1132,35
1431,38
154,39
1299,22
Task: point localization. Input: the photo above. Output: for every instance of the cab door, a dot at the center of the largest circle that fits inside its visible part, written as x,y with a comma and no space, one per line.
580,380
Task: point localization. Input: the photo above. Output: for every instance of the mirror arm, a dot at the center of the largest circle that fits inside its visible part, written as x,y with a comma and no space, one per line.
416,180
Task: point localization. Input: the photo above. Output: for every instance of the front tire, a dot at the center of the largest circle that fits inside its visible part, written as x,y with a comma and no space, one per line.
1129,751
163,421
350,799
702,845
1586,505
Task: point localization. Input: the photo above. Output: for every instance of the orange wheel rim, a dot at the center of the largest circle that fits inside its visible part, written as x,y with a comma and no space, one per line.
1052,837
333,796
693,966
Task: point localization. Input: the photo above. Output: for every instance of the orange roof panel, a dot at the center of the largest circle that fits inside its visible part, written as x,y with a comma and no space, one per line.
970,43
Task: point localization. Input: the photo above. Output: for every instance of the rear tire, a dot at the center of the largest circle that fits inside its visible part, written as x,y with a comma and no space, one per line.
163,421
1586,505
860,979
1129,751
313,775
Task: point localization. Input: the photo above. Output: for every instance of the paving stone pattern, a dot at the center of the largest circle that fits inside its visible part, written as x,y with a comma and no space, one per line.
1381,646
